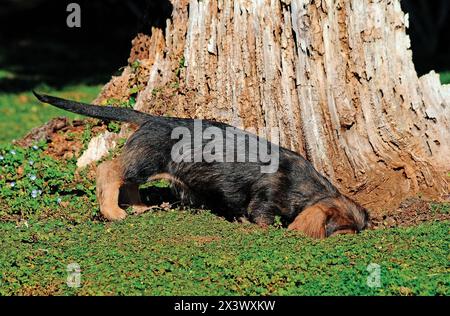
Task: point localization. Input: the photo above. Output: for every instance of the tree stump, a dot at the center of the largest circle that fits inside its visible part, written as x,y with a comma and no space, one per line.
335,77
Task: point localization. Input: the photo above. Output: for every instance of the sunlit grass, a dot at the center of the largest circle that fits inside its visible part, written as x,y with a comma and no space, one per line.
20,112
445,77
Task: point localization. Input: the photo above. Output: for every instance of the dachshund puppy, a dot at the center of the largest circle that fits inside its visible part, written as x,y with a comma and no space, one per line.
225,170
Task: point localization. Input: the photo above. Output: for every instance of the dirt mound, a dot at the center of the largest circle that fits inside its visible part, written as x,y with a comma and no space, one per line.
43,132
65,138
412,212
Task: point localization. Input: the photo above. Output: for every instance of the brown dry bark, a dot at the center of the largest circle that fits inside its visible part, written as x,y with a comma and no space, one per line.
336,77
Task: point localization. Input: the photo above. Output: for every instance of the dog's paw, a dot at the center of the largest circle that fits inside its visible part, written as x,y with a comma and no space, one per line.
243,220
139,209
116,214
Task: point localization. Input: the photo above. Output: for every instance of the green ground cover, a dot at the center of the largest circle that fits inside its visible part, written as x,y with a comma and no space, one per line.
20,112
49,219
445,77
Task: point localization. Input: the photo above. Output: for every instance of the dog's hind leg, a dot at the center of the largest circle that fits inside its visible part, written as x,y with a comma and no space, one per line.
133,198
109,181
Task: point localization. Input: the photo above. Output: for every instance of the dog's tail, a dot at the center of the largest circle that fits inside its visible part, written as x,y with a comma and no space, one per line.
101,112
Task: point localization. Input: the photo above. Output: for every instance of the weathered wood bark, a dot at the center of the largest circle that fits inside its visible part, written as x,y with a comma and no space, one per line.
336,77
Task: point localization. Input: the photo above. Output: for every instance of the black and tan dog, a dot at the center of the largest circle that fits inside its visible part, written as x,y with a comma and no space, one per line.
296,192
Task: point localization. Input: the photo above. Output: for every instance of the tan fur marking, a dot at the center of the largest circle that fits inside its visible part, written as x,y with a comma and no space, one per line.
343,232
311,222
109,181
165,176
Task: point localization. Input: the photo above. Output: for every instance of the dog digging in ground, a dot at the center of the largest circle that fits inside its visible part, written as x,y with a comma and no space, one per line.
224,172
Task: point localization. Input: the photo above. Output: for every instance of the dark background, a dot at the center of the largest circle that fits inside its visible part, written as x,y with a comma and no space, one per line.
38,47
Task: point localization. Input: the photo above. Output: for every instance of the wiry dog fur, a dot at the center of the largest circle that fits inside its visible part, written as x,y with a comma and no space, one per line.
303,198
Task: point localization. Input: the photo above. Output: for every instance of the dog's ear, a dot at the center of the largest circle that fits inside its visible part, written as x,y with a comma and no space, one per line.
311,221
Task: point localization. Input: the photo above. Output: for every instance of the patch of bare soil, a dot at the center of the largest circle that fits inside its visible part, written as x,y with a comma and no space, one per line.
411,212
65,139
43,132
69,141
